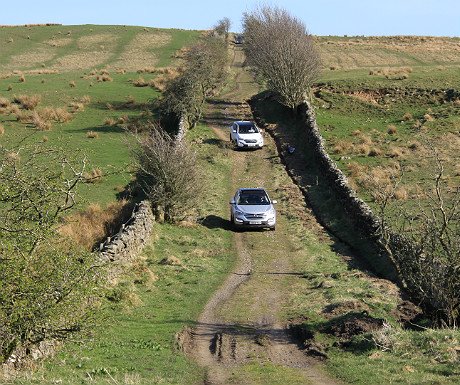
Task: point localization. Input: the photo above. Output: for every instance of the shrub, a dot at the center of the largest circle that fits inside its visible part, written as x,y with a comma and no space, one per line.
50,289
168,173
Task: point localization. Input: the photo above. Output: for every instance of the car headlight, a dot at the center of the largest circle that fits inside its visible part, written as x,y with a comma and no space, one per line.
239,214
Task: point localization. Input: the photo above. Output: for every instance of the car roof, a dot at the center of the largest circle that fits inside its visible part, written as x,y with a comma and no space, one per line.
244,122
251,189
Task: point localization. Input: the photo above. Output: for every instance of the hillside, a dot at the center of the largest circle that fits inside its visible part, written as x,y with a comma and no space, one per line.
202,303
88,83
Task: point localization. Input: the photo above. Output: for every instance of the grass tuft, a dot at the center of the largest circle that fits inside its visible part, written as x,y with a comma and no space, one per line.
92,135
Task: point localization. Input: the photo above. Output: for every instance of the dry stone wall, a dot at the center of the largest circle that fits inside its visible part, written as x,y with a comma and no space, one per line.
403,252
132,236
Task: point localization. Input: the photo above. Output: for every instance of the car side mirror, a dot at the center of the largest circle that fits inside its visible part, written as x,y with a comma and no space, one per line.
232,202
274,202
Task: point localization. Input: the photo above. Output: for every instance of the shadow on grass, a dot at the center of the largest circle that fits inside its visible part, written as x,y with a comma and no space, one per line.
216,222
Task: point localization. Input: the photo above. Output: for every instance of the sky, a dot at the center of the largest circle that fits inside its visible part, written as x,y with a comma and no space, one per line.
321,17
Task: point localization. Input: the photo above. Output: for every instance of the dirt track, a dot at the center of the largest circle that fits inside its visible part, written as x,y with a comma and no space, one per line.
240,324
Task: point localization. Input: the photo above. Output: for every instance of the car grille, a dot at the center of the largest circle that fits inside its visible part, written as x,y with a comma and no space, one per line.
250,140
254,216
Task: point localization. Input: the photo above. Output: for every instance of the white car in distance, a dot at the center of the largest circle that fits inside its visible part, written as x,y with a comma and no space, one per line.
245,134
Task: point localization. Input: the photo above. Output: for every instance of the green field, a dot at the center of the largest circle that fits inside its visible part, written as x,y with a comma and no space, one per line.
88,72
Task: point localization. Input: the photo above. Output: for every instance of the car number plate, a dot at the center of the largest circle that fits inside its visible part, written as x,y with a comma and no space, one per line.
256,222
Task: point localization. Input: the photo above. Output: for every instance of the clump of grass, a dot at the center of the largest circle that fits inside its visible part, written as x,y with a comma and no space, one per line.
396,152
342,146
10,87
104,78
2,129
23,117
22,79
62,115
94,176
109,122
355,169
375,152
77,107
92,135
392,130
85,99
28,102
363,149
401,194
72,84
121,71
407,116
366,140
43,81
140,82
10,40
417,124
428,118
14,109
40,123
414,145
48,113
4,102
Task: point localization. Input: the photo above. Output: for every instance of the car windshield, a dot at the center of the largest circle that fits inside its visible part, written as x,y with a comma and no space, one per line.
253,198
248,128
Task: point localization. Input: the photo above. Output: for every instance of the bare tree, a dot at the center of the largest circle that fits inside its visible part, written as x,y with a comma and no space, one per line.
49,288
205,70
281,50
422,236
168,173
222,27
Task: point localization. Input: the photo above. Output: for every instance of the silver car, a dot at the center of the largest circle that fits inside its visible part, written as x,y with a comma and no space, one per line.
252,207
246,134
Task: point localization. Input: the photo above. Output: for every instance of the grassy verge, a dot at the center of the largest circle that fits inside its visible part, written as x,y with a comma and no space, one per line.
165,289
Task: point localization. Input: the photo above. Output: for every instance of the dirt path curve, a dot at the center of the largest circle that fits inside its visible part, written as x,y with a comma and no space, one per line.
240,324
